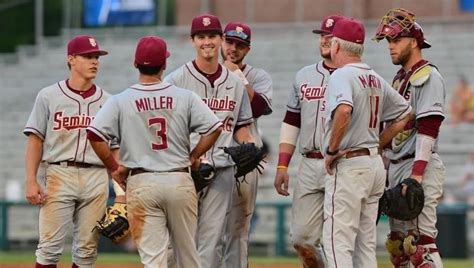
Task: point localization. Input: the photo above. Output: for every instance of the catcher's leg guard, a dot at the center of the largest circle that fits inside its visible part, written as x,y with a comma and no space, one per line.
420,249
310,256
394,246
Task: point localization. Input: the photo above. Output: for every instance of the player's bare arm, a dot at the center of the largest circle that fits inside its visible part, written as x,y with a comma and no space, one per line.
342,119
34,151
242,135
119,192
282,179
119,173
391,130
204,144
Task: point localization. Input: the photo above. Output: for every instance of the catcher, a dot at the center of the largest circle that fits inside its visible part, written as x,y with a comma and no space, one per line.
413,151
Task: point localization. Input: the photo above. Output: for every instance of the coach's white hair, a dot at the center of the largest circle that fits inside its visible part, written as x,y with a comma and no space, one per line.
350,47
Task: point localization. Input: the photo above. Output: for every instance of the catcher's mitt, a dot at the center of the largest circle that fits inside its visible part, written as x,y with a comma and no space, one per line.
114,224
204,176
404,208
247,157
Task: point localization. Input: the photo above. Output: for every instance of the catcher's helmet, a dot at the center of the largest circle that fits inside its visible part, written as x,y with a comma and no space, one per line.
399,22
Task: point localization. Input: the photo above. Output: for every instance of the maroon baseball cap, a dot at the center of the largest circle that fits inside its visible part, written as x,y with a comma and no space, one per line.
350,30
327,25
238,31
84,44
151,51
206,23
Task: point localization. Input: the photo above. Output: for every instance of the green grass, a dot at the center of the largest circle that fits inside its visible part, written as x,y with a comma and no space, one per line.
124,258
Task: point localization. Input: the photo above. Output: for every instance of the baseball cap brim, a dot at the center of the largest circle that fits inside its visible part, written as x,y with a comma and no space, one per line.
425,44
217,31
93,51
237,40
317,31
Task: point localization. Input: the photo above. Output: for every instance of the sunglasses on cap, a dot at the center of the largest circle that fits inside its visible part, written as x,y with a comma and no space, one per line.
239,34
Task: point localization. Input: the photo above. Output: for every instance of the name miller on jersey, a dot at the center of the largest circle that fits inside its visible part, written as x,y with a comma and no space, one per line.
71,122
312,93
154,103
216,104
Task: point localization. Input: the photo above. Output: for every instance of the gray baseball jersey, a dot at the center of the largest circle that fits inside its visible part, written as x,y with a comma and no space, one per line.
59,117
308,99
372,99
425,90
228,99
153,113
262,84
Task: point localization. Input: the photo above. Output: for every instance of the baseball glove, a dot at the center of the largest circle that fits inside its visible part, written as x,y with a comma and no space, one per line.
407,207
247,157
114,225
204,176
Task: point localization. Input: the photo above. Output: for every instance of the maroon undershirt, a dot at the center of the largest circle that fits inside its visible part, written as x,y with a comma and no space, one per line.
210,77
83,94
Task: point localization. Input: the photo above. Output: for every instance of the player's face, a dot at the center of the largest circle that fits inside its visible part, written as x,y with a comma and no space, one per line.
234,51
86,65
207,45
325,46
400,49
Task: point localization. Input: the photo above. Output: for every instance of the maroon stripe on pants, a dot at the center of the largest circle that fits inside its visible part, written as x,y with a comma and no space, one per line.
332,219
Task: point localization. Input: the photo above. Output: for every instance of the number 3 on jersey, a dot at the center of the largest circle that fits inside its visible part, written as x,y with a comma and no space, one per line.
374,111
160,123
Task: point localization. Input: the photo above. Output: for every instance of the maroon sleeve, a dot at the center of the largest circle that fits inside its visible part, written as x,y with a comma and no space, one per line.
93,137
293,119
430,125
259,106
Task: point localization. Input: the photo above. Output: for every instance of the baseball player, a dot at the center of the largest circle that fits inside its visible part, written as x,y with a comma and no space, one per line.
258,85
305,117
413,152
76,186
225,94
153,120
358,100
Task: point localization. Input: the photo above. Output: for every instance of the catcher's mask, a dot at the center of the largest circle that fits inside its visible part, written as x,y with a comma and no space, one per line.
399,22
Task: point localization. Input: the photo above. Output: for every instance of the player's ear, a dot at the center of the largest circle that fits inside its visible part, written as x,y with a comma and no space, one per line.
135,65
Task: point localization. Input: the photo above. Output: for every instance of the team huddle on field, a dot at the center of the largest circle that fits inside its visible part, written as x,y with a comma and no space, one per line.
183,151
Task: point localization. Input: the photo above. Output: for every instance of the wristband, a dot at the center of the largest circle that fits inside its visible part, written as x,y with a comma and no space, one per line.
282,167
331,153
241,76
284,160
110,163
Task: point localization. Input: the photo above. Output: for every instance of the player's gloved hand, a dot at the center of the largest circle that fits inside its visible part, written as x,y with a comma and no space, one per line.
282,180
246,157
405,206
203,176
114,225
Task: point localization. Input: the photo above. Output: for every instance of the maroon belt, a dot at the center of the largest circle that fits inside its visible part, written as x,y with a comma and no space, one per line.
409,156
136,171
75,164
314,154
355,153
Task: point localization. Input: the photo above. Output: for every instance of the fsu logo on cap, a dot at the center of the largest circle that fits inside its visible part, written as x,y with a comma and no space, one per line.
239,29
329,23
92,42
206,21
